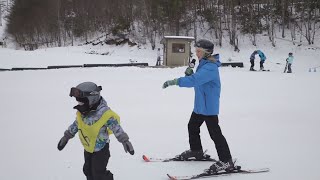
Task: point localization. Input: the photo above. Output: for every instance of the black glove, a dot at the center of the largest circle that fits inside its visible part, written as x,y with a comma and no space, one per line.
128,147
64,140
124,139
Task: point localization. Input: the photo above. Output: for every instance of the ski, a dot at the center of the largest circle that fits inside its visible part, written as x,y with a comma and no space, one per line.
151,159
267,70
238,170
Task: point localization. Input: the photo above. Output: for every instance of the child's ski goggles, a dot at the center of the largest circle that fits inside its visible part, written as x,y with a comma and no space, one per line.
75,92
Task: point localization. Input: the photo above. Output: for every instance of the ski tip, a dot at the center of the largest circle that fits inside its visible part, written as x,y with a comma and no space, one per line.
171,177
145,158
265,170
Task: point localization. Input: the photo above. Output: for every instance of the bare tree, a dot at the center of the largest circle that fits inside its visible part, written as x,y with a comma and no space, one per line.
0,14
308,19
292,23
270,16
232,24
34,23
283,13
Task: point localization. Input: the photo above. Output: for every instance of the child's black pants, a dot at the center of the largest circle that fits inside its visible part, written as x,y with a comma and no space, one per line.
95,164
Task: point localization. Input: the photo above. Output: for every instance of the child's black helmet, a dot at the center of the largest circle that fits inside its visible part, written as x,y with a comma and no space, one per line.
205,44
87,90
290,54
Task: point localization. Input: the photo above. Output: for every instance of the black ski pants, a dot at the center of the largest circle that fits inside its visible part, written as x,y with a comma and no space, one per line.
95,164
212,123
261,64
289,68
252,63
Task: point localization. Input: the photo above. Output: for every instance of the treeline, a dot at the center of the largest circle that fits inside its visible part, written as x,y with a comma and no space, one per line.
35,23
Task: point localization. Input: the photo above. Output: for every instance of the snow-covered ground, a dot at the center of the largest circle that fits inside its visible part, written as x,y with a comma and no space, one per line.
270,119
306,57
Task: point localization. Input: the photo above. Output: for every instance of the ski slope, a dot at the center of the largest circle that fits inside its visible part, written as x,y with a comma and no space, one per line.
270,119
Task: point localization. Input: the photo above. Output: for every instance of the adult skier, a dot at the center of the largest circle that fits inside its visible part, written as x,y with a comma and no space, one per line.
95,121
207,87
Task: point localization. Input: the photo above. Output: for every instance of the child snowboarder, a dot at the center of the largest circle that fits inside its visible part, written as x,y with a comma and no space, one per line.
206,83
289,62
95,121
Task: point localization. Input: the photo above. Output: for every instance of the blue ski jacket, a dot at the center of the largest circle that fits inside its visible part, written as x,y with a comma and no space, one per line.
290,59
261,55
206,84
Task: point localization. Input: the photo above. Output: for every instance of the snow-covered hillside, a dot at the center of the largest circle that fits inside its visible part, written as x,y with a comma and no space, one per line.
270,119
306,57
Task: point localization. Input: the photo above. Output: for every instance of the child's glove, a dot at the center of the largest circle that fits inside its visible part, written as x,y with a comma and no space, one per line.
128,147
188,71
170,83
64,140
124,139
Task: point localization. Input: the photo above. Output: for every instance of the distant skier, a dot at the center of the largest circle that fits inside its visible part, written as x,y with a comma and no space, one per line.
289,62
95,121
206,83
262,59
158,58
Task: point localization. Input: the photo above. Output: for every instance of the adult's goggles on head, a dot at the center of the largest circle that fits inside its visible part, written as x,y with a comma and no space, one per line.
75,92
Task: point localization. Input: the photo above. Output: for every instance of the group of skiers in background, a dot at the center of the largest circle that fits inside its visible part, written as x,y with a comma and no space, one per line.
263,58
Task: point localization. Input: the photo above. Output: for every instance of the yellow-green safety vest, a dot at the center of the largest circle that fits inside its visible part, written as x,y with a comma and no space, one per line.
88,134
